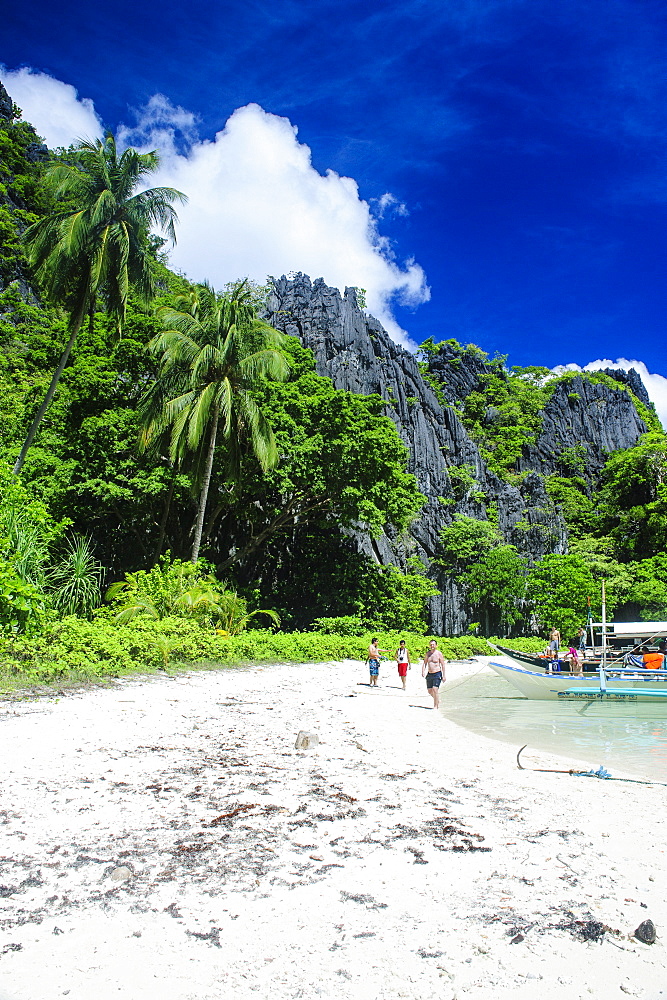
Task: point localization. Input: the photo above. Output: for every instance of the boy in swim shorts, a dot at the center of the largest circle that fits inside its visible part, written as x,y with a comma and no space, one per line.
374,661
403,662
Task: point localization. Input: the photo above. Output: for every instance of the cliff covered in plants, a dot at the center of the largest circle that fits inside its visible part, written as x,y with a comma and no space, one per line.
485,443
389,481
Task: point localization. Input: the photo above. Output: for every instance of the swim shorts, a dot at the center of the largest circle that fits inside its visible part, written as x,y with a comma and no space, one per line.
434,680
554,645
402,670
374,667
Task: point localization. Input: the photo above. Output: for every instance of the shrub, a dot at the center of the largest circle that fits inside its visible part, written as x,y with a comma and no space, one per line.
347,625
22,605
182,590
76,649
74,582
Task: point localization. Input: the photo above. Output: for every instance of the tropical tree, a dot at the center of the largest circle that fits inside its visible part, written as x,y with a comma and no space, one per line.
557,590
465,540
214,353
633,497
495,588
341,462
96,246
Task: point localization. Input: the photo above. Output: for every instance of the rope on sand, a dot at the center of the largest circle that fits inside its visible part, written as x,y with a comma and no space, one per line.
600,773
453,685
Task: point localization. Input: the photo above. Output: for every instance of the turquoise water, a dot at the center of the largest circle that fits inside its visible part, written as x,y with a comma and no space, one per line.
622,737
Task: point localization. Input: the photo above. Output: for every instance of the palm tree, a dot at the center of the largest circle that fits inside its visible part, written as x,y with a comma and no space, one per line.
214,350
96,246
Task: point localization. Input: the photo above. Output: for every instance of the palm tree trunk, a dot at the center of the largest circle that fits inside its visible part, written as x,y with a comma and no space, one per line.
203,497
34,427
165,517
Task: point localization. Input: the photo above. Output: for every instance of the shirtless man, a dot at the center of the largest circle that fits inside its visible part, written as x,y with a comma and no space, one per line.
554,643
434,671
374,661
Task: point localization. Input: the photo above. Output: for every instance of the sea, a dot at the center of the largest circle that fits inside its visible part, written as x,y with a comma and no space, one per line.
628,738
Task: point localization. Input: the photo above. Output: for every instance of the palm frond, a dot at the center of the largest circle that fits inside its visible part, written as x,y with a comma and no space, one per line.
202,413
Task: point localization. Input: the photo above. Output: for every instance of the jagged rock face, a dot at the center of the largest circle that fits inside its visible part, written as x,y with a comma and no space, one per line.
355,351
591,417
6,104
633,380
457,379
582,423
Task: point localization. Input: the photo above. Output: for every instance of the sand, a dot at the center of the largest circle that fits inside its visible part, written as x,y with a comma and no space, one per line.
164,839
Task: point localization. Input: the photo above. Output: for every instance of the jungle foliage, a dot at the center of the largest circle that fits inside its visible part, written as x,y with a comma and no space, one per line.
293,468
309,462
617,522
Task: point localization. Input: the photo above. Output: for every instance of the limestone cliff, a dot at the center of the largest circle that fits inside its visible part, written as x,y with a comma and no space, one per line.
354,350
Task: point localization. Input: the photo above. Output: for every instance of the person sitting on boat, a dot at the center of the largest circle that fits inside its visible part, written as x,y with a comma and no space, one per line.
634,658
652,659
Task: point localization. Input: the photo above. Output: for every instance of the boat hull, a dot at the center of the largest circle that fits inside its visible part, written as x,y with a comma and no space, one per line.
563,687
540,664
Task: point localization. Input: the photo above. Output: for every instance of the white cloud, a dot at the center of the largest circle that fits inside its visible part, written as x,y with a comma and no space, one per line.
52,107
388,203
160,125
257,205
656,385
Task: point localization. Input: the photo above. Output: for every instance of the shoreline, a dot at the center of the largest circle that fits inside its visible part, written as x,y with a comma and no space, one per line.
164,837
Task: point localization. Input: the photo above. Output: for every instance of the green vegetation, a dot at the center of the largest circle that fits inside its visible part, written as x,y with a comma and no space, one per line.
193,465
558,588
633,498
525,644
215,351
433,382
75,650
617,524
246,447
75,579
94,245
464,483
181,590
505,414
496,588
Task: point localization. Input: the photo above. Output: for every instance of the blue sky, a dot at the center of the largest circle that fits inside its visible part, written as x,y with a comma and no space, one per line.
519,146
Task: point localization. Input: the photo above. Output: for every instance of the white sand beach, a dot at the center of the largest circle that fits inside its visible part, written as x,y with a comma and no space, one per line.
163,838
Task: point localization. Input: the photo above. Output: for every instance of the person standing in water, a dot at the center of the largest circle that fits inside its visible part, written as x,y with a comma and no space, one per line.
434,671
403,661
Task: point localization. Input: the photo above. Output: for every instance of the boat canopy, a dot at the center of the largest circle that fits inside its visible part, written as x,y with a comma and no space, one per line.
634,630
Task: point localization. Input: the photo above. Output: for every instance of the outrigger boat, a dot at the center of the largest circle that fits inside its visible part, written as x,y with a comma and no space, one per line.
620,678
622,642
609,684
